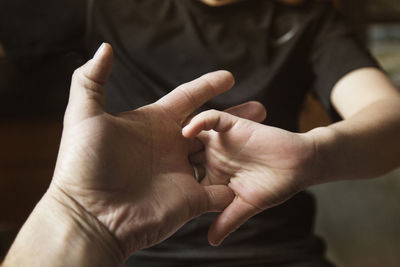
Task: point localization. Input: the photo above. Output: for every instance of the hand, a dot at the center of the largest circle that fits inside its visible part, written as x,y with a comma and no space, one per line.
122,182
263,165
131,170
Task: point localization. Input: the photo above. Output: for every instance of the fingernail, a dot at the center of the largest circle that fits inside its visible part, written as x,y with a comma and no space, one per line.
184,130
100,50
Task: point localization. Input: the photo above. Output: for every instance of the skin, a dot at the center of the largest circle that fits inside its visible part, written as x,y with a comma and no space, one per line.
227,2
265,166
122,182
106,202
218,2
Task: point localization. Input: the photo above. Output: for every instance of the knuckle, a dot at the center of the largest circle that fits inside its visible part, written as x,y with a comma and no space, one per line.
189,97
209,113
81,79
209,83
77,73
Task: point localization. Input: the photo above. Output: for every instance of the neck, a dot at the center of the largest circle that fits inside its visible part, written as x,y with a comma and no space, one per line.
218,2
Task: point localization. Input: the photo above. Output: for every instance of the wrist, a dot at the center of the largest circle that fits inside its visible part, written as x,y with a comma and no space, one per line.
59,232
85,228
323,140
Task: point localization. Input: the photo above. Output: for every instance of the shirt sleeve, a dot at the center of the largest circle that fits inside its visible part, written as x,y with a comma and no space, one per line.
336,51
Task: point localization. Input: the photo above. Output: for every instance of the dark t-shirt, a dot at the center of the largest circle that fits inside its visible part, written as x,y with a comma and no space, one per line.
276,52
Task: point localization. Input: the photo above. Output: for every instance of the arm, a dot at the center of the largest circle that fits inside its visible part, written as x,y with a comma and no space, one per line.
265,166
59,232
366,143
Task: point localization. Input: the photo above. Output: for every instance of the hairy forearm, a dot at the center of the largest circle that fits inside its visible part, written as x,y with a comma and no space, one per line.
365,145
60,233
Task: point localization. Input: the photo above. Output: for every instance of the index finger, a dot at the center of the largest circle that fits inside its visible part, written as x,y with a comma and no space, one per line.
188,97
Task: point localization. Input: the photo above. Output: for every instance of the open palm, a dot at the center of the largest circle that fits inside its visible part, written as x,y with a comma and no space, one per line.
263,165
131,170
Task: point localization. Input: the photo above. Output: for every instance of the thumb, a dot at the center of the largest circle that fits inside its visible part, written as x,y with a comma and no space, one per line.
218,197
87,87
236,214
212,198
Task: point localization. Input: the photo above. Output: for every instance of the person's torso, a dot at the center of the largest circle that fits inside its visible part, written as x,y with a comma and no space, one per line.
162,44
159,45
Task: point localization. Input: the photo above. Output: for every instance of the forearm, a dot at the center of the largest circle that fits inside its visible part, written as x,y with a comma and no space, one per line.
60,233
362,146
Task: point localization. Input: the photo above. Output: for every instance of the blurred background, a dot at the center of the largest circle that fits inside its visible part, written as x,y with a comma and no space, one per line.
360,220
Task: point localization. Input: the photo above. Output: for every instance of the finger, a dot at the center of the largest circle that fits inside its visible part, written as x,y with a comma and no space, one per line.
251,110
199,172
87,86
202,172
197,158
187,98
195,145
218,197
206,179
212,198
236,214
209,120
